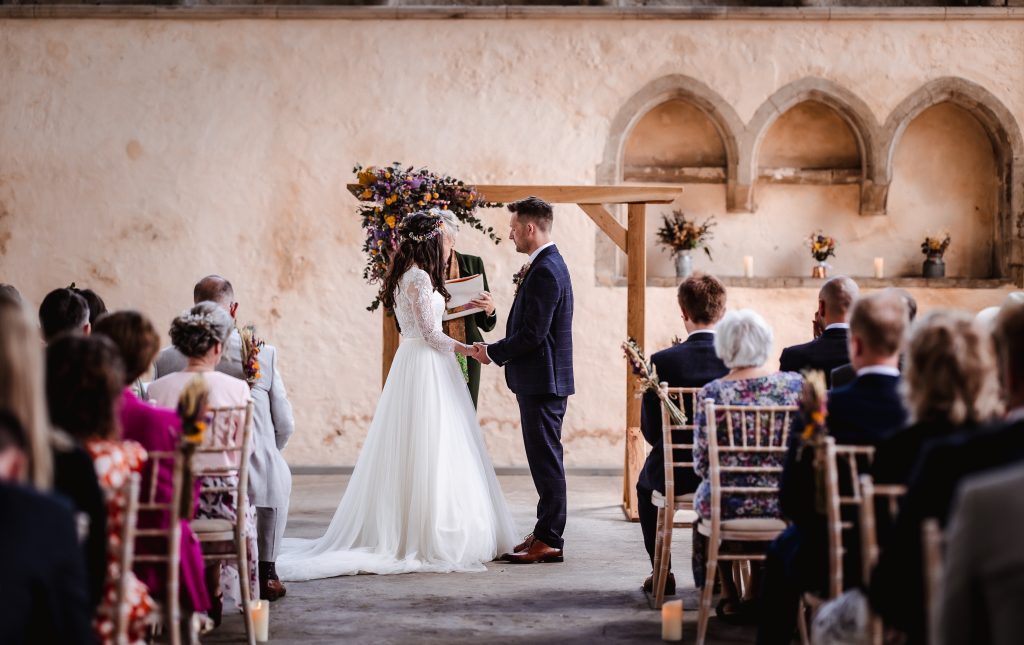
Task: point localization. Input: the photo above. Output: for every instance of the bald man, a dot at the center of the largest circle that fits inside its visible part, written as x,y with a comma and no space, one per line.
270,479
829,349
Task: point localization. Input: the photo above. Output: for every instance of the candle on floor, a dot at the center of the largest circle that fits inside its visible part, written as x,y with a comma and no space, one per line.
672,621
748,266
260,612
879,268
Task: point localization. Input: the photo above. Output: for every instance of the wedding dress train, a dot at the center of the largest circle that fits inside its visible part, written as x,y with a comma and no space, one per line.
423,495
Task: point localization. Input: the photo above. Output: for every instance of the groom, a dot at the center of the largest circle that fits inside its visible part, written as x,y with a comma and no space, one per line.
537,355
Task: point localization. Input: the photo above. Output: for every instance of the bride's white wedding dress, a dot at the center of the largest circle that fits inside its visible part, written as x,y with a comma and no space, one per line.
423,495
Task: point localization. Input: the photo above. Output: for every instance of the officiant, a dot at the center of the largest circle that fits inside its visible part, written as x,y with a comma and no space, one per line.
468,328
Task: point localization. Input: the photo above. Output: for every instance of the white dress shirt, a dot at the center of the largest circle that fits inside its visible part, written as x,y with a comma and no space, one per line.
884,370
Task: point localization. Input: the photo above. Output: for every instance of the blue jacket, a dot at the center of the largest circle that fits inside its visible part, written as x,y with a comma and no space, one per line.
537,349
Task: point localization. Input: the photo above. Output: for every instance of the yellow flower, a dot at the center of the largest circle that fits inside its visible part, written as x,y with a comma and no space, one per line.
366,177
436,195
391,200
366,194
817,417
390,221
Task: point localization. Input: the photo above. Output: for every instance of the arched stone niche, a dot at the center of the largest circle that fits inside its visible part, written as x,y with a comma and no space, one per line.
842,145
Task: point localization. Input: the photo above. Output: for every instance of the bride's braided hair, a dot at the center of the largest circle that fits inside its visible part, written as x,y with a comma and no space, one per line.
422,244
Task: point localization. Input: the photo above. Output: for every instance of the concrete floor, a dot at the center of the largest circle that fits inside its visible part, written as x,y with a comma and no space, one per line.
593,597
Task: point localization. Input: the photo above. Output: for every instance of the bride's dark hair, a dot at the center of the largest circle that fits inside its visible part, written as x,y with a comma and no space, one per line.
422,243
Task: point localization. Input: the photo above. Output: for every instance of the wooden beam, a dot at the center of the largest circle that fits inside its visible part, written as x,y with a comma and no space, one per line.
636,242
582,194
607,223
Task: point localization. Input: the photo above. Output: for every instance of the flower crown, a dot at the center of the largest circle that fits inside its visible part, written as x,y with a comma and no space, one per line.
435,215
204,321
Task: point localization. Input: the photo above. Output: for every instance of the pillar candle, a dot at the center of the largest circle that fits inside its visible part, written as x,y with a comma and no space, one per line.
672,621
748,266
260,612
879,268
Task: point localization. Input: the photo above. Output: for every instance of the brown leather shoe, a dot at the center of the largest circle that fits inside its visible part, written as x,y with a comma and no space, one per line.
271,588
525,544
670,584
538,552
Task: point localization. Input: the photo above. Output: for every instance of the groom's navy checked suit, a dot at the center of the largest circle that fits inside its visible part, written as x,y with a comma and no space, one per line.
537,355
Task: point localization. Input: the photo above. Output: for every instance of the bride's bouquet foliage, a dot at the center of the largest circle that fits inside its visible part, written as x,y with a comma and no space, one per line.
680,234
390,193
646,376
192,412
822,246
251,346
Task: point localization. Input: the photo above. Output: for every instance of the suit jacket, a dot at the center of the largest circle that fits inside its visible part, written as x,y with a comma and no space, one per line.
537,349
896,456
896,591
479,322
74,480
692,363
825,353
983,577
43,577
842,375
270,479
861,413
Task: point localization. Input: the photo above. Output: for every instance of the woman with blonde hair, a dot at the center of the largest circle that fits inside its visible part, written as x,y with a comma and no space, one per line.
950,384
22,388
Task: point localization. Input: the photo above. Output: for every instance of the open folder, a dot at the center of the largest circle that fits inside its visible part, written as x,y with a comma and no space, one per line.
463,290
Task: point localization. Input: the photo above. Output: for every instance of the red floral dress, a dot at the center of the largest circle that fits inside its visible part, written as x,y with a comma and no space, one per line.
115,461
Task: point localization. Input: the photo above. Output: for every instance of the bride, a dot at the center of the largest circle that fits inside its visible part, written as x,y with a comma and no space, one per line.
423,495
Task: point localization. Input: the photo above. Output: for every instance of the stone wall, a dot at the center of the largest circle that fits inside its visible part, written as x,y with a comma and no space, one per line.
138,155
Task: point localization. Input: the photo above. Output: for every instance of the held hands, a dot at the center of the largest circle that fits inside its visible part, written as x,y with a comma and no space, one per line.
482,353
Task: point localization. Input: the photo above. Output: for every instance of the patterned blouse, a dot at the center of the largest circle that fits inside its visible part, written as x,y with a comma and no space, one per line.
781,388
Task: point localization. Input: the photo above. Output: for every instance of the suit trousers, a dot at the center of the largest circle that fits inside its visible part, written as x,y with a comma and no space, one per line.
270,523
541,417
648,513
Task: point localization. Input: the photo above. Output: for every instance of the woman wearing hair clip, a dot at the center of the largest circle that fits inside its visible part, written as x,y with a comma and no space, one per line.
423,496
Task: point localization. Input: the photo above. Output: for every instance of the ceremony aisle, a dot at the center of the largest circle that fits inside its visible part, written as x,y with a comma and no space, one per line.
593,597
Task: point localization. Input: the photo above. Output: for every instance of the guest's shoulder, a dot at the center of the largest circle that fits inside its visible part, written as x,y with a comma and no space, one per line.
227,382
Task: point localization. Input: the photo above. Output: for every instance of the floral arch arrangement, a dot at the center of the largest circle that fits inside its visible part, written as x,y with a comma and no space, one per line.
391,193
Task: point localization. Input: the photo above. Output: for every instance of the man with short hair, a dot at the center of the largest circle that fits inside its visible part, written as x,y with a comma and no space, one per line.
63,311
537,355
45,596
691,363
862,413
270,479
845,374
828,350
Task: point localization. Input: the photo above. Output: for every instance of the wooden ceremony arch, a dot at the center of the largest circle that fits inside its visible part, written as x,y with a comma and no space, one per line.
632,240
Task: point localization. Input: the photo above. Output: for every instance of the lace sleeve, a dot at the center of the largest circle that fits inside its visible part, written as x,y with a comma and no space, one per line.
419,290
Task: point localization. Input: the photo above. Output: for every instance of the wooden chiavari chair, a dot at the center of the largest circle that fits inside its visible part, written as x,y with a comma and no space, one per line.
875,496
679,513
130,494
768,439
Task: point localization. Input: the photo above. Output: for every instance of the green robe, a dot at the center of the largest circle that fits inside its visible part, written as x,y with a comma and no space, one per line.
477,323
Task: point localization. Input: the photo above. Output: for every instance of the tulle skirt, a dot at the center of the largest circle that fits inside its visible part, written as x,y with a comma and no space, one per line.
423,496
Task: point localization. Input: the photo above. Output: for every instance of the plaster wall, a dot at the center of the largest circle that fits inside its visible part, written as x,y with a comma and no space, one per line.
137,156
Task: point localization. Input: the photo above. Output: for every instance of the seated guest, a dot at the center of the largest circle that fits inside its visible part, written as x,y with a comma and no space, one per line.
828,350
84,383
45,597
63,311
97,307
982,589
846,373
742,340
951,386
270,479
22,390
200,334
56,460
861,413
896,584
692,363
156,430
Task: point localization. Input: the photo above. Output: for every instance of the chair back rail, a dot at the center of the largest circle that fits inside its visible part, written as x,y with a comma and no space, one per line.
670,428
933,542
129,494
831,456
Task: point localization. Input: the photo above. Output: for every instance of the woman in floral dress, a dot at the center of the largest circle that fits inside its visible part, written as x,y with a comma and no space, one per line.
742,340
84,380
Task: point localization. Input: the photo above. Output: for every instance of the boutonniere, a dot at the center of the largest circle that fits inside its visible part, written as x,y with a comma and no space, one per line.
251,346
520,275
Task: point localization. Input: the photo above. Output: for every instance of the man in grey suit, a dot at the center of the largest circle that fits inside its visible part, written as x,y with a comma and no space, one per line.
983,582
270,480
